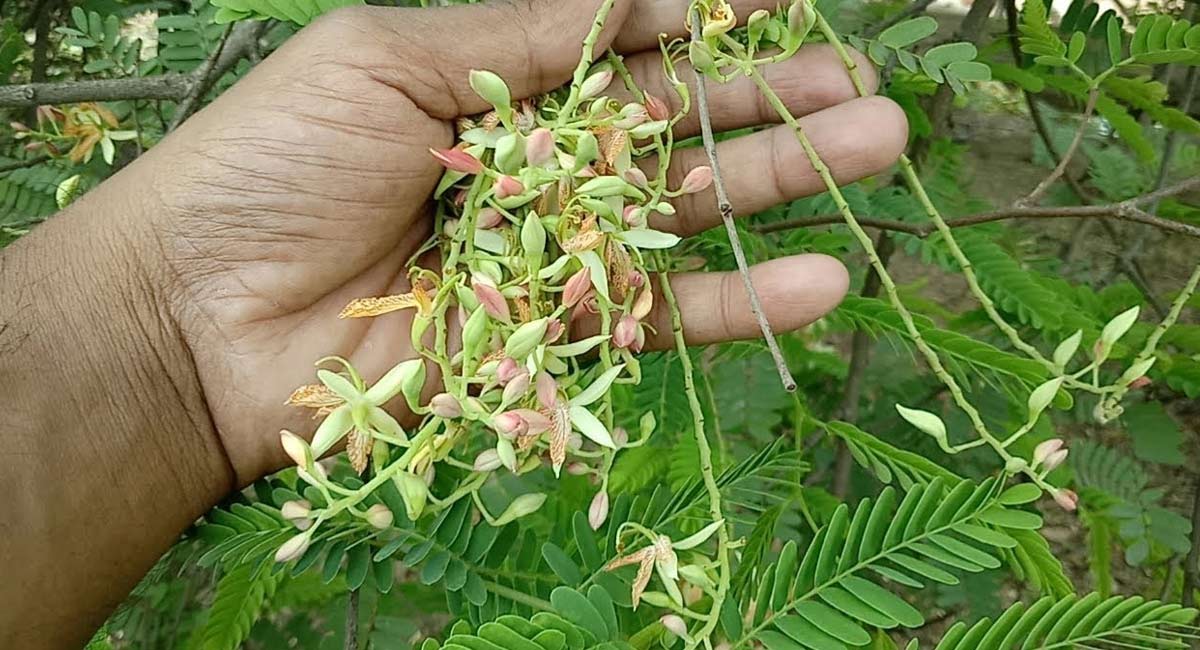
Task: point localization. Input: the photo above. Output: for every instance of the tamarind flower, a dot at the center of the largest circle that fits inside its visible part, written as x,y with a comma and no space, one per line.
363,408
359,444
457,160
697,180
633,216
628,334
509,424
720,19
658,557
507,369
1047,453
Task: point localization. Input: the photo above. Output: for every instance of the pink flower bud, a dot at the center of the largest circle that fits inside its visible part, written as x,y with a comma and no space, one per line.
517,388
636,177
19,127
536,421
507,186
445,405
489,218
298,513
539,147
554,329
631,115
633,216
457,160
547,389
488,460
625,332
620,437
510,424
293,548
1139,383
492,300
657,108
598,510
636,279
1067,500
674,625
577,469
1055,459
697,180
507,369
595,84
380,516
33,146
577,287
1045,449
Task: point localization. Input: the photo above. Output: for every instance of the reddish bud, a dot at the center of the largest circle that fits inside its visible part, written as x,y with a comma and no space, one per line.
1067,500
507,369
1046,449
19,127
620,437
489,218
1140,382
536,421
507,186
510,424
633,216
34,146
577,287
457,160
636,177
445,405
625,333
577,469
539,147
492,300
636,279
517,387
631,115
598,510
554,329
674,624
547,389
1056,459
697,180
657,108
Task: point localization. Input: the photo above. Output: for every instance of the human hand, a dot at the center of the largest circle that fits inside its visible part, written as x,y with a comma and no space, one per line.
308,185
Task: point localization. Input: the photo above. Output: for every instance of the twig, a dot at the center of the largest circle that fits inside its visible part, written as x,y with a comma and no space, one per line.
174,87
916,8
1124,211
726,210
203,79
22,164
860,357
1060,169
1191,566
351,640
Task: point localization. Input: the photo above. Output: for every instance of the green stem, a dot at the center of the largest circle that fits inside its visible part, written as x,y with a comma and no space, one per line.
706,463
585,61
519,596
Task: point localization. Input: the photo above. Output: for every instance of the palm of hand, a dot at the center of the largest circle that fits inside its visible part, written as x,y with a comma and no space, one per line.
308,185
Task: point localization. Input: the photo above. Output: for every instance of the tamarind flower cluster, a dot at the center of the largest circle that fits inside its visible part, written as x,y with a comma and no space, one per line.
542,223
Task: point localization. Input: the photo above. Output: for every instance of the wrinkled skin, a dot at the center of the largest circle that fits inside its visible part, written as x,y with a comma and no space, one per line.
220,260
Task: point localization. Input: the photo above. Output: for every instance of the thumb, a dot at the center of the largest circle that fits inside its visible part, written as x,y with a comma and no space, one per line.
534,45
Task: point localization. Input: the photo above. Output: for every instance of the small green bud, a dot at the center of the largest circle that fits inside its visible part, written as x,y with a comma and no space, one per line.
1015,465
1066,349
525,339
413,386
414,492
587,150
526,504
1041,396
649,129
801,18
533,239
756,24
927,422
494,91
475,329
1119,325
702,58
603,186
510,153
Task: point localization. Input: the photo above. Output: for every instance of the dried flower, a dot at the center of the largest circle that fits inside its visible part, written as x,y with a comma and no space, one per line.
457,160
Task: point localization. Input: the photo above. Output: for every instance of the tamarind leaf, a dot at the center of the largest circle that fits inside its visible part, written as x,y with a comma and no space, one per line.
907,32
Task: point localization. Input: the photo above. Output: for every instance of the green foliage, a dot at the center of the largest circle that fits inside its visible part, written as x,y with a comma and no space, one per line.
300,12
242,594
